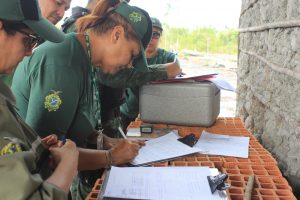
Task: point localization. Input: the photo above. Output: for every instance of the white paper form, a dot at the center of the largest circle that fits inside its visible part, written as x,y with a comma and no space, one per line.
160,183
162,148
222,84
225,145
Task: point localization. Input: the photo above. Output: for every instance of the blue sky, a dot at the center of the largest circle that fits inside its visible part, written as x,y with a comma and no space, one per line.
189,13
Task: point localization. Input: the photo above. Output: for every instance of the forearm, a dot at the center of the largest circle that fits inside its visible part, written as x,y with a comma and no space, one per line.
64,174
155,75
109,142
132,78
90,159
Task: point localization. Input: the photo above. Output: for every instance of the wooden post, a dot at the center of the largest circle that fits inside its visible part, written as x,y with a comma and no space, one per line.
249,188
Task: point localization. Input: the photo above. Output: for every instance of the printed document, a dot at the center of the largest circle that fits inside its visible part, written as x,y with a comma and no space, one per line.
160,183
162,148
225,145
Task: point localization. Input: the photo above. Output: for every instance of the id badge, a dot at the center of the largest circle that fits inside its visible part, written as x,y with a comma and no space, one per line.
100,140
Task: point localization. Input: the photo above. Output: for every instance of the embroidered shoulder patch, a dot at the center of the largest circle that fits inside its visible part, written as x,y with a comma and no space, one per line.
135,17
53,101
10,148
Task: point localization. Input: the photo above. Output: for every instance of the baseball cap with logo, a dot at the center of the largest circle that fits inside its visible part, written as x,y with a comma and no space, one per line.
28,12
156,23
140,21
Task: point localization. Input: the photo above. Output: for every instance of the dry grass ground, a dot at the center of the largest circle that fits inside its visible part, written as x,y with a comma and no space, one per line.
224,65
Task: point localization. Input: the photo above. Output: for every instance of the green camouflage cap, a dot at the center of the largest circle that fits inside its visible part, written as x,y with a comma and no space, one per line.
141,23
156,23
28,12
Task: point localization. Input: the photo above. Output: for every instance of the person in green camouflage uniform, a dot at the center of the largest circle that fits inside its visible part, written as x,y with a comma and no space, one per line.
112,86
155,55
25,159
51,10
111,98
66,100
111,91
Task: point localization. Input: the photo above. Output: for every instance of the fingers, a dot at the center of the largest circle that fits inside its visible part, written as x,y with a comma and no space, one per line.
59,144
131,145
173,70
135,146
70,144
50,140
133,151
139,142
125,151
142,142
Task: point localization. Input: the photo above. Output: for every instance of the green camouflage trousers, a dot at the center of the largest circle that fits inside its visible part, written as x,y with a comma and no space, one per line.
78,190
84,182
110,127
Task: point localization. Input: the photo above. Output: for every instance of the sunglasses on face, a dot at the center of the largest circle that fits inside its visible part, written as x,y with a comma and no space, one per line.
30,41
156,35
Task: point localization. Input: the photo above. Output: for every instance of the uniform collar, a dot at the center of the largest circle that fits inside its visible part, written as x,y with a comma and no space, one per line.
7,93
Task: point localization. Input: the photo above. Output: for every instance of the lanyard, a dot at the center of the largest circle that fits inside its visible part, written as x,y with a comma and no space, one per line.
95,88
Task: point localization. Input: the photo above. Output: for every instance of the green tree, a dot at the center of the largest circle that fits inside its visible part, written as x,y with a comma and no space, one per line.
202,39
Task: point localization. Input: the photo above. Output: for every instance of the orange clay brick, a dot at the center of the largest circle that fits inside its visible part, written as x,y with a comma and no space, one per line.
92,196
160,164
241,197
135,124
257,170
192,163
254,158
262,194
178,163
160,126
269,183
263,186
97,185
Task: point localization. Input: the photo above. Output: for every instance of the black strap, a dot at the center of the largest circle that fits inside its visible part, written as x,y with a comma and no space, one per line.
67,23
77,12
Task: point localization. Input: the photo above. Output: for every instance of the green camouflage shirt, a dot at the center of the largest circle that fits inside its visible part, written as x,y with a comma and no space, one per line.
53,90
23,168
112,86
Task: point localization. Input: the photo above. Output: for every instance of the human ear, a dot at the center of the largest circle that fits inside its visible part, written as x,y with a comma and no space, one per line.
117,33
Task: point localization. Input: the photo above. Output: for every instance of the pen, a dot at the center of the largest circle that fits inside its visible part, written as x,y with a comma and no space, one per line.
176,61
122,133
175,58
63,139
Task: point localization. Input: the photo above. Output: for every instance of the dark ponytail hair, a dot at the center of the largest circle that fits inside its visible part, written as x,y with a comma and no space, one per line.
102,19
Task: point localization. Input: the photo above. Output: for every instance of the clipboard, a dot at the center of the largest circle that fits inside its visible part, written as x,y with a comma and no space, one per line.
103,188
213,171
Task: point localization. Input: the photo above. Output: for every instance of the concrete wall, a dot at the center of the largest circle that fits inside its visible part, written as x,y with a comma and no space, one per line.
269,78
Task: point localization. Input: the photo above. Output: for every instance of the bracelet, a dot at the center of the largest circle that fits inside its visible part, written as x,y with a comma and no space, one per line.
108,159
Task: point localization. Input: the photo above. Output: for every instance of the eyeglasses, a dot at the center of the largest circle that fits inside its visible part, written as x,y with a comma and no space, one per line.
30,41
156,35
